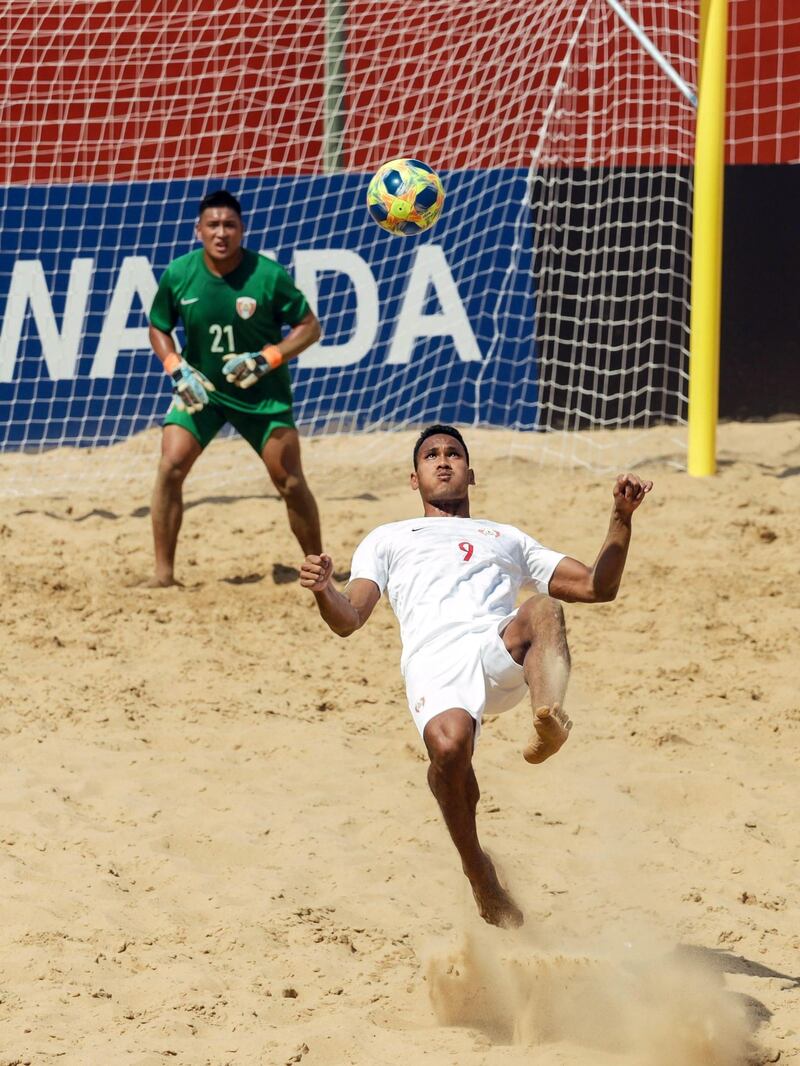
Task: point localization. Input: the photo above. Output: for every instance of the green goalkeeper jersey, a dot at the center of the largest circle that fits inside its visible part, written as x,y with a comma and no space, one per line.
221,316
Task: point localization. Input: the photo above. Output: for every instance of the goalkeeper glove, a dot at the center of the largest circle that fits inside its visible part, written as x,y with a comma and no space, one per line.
191,388
245,370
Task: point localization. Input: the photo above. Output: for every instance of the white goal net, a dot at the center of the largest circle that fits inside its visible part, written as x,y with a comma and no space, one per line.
552,296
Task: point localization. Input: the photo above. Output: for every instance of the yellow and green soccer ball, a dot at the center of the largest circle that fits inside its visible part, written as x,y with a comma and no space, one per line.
405,196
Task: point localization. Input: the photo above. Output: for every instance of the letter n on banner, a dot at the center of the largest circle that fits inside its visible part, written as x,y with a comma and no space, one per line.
59,349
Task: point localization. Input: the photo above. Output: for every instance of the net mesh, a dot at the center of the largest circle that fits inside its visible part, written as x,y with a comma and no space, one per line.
552,296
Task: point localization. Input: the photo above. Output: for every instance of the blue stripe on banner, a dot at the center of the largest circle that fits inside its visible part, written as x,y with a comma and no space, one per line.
438,326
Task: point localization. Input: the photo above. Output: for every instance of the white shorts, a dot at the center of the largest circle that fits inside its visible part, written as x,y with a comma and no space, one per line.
472,670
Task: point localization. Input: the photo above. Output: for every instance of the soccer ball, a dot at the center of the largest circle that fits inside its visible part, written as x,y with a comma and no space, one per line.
405,196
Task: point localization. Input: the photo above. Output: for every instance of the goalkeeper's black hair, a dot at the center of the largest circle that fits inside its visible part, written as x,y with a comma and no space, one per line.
220,198
434,431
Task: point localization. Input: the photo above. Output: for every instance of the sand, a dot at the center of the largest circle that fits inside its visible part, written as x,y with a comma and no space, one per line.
216,840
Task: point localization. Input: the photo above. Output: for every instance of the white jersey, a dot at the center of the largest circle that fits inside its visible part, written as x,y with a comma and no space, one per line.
450,574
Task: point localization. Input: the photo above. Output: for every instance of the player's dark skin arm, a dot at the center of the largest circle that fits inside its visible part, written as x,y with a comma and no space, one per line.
161,343
345,612
573,581
307,332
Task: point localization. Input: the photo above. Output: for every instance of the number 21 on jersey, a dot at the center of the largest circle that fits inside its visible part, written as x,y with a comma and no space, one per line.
217,347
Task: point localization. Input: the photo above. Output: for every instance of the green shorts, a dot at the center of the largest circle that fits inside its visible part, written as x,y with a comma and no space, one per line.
205,425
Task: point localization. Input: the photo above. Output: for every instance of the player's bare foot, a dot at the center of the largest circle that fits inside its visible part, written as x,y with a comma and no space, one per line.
551,728
156,582
495,904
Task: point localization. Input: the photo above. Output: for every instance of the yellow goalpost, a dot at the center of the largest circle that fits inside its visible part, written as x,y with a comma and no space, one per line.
709,173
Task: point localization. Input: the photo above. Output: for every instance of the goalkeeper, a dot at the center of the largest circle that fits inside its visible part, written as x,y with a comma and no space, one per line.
233,304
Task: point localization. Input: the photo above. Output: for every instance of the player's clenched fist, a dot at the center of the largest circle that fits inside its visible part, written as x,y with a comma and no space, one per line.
315,573
629,491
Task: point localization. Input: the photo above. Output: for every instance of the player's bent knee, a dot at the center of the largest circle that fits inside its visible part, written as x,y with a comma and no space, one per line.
179,450
449,755
174,469
289,486
539,619
544,611
449,747
553,611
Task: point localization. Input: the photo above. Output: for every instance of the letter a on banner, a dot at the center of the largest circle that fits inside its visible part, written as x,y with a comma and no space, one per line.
431,270
135,277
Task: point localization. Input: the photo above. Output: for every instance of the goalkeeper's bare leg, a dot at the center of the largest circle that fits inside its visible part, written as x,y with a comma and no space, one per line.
281,455
179,452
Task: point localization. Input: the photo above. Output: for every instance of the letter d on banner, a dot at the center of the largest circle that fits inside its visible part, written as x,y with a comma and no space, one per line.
308,263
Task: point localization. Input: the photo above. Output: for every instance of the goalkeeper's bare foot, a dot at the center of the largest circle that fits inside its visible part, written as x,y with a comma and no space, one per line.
166,582
551,728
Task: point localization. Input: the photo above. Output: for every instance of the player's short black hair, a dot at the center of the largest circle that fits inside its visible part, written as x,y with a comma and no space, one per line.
220,198
434,431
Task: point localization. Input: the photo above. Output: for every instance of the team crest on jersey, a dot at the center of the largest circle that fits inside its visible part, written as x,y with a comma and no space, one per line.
490,532
245,307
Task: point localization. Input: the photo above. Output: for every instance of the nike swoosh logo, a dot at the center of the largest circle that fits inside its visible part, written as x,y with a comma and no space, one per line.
192,301
416,529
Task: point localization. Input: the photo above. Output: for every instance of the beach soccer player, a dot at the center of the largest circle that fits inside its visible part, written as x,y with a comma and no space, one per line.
468,651
235,306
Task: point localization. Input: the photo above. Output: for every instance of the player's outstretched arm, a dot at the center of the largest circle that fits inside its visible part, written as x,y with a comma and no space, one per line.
343,612
573,581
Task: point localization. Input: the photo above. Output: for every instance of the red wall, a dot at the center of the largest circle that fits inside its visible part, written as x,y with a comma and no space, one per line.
764,82
121,90
136,91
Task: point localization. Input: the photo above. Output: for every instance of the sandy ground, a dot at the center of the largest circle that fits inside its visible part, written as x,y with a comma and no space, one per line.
216,839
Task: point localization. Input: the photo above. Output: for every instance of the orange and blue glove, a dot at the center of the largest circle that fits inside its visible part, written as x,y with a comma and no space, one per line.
190,387
245,370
